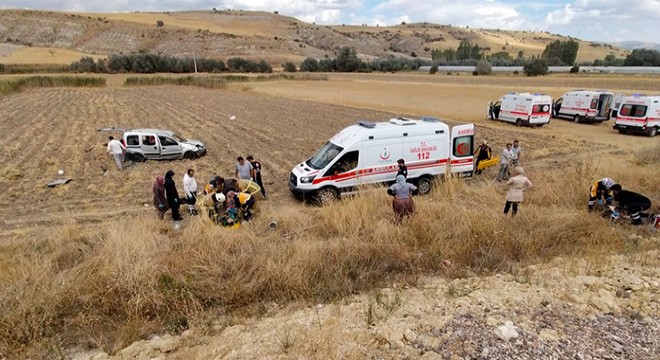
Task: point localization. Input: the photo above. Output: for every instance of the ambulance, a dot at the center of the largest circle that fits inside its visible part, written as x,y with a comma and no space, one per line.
584,106
639,114
367,153
523,109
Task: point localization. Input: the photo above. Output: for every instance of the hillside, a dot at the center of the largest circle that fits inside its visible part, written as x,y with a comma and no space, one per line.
222,34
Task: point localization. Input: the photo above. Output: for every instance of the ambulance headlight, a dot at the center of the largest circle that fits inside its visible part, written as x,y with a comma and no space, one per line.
307,179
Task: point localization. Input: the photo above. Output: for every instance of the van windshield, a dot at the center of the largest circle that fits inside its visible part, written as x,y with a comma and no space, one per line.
324,156
178,138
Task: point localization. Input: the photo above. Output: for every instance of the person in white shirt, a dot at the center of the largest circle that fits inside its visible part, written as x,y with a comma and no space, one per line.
117,149
505,162
516,150
190,188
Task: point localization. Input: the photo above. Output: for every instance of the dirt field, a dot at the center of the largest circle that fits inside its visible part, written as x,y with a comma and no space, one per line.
281,123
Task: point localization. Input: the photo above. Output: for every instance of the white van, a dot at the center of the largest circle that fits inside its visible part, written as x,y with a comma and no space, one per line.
367,153
639,114
156,144
523,109
584,106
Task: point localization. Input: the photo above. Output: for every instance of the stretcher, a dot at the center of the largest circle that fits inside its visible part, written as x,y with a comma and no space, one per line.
484,164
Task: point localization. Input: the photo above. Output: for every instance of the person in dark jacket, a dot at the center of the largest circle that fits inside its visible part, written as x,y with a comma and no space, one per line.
403,169
630,202
483,153
172,195
257,174
160,201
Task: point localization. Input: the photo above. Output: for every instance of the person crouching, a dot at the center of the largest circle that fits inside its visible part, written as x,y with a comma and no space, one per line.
244,201
402,191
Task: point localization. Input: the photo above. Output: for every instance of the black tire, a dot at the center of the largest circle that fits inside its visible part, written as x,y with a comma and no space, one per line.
652,132
622,131
189,155
424,186
577,119
518,122
327,196
137,158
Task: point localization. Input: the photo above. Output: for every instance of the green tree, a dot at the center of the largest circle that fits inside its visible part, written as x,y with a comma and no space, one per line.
464,50
565,51
310,64
503,55
347,60
289,67
434,69
536,67
643,57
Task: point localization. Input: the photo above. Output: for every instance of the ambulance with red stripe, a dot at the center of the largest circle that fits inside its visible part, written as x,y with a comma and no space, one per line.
588,106
523,109
639,114
367,153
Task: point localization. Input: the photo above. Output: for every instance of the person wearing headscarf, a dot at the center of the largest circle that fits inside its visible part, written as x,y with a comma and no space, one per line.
172,195
160,201
517,185
600,193
402,191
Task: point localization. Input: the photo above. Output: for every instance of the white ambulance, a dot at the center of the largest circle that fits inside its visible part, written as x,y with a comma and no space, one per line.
639,114
367,153
584,106
523,109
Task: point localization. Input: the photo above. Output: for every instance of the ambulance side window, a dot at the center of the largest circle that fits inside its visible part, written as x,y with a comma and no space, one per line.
463,146
346,163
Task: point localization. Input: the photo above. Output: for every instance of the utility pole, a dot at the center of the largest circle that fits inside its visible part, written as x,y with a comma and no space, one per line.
195,60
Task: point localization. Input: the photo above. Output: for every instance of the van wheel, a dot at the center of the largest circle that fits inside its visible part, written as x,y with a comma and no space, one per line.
576,119
622,132
518,122
137,158
327,196
653,132
189,155
424,186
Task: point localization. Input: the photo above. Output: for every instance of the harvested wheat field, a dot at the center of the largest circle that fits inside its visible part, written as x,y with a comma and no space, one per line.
88,272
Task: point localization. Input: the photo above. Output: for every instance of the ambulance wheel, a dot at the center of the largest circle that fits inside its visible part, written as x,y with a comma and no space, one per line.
518,122
327,196
622,132
653,132
424,186
189,155
576,119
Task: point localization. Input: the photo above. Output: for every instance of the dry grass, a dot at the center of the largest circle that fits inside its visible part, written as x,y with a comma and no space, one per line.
214,82
111,286
21,83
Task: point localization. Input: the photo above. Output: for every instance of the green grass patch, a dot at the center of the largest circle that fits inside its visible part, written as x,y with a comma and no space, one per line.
19,84
213,82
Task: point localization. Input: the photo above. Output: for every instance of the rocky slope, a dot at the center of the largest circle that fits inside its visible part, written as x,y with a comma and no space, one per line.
567,309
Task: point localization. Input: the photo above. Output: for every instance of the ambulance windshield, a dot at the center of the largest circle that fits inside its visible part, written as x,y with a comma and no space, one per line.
324,156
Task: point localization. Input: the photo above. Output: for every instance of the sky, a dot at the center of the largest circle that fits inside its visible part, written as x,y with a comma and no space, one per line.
595,20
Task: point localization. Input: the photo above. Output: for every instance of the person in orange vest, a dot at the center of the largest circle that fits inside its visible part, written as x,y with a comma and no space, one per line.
243,201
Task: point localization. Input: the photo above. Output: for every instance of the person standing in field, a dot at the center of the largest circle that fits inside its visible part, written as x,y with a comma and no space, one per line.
516,152
172,197
517,185
257,175
483,153
190,189
117,149
244,169
403,169
505,162
160,201
402,191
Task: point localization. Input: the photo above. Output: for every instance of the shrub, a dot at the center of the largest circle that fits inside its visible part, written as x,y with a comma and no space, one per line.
160,23
2,68
536,67
310,64
434,69
19,84
575,69
483,67
289,67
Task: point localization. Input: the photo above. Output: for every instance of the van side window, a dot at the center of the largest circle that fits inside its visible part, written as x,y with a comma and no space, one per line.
463,146
132,140
594,103
165,141
346,163
148,140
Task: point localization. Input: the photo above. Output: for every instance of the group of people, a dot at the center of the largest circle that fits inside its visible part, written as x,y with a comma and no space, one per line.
510,158
606,191
226,200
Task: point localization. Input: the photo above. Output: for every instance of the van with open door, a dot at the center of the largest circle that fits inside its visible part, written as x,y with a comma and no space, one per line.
367,153
639,114
588,106
523,109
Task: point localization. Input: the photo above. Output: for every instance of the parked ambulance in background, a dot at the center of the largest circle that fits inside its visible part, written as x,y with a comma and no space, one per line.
523,109
639,114
584,106
367,153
